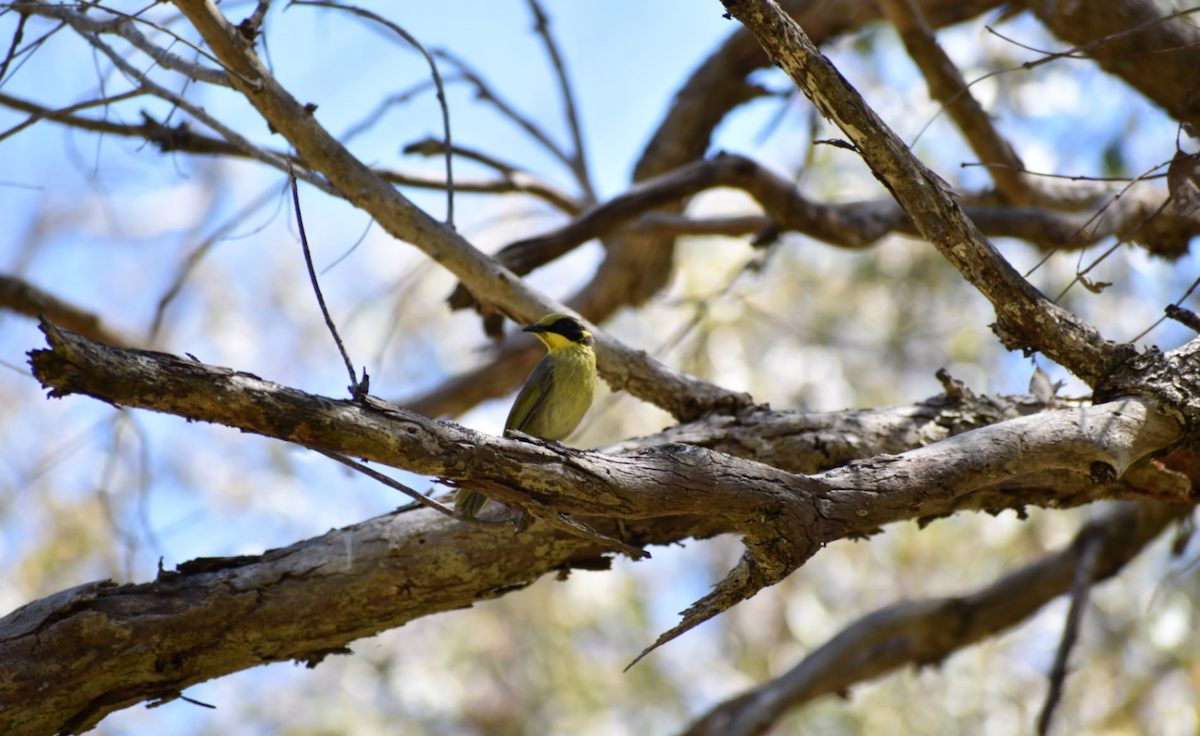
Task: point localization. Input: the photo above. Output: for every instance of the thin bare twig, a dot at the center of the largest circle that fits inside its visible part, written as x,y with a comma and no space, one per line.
486,94
1167,314
437,81
511,173
947,86
1080,275
357,390
434,147
1068,53
1069,177
26,53
578,160
82,25
1098,214
197,254
62,112
18,35
1183,316
123,26
1073,53
1085,575
417,496
397,99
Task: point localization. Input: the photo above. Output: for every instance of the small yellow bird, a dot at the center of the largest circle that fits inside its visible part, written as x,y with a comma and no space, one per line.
555,396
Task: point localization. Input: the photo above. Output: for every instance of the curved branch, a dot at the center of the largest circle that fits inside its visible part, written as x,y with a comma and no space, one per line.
852,225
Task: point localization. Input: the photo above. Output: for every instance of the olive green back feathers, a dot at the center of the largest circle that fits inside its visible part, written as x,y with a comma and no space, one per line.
557,393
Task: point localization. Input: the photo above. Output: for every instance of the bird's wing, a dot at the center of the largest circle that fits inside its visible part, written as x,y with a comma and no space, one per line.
533,394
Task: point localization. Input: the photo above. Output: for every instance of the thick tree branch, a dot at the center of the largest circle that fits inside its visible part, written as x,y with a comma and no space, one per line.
1026,319
72,658
784,518
638,482
379,574
1167,236
926,632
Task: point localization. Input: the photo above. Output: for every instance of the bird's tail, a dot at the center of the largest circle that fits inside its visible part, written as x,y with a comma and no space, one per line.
467,504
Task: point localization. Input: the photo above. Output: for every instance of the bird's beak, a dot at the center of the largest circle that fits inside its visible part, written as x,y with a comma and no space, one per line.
533,328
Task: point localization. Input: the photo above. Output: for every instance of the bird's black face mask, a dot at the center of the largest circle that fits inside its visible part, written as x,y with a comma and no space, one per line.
568,328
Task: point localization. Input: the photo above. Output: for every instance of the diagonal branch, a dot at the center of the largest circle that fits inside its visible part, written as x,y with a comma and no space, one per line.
1025,318
682,395
947,86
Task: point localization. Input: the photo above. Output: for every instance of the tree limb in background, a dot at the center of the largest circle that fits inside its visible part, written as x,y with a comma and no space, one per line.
922,633
24,298
947,86
1159,60
1088,549
853,225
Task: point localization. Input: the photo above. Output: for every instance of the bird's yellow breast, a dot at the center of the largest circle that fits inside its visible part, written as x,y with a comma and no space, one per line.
557,394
